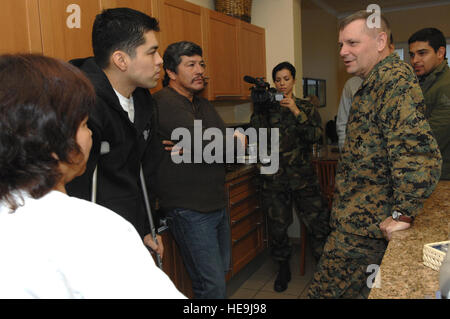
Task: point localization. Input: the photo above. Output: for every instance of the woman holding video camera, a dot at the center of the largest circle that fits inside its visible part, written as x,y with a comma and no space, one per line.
295,182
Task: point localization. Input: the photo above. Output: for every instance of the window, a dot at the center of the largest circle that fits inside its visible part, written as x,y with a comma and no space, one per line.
448,52
317,88
400,53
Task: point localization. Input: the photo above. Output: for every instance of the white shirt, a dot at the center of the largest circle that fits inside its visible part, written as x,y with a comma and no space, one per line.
350,88
127,105
64,247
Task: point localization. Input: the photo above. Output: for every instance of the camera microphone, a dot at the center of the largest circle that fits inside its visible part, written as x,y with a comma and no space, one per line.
250,79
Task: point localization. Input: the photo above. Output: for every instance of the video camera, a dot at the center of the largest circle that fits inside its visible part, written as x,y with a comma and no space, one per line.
263,96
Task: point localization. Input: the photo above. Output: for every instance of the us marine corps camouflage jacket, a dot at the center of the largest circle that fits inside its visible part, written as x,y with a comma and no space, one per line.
390,160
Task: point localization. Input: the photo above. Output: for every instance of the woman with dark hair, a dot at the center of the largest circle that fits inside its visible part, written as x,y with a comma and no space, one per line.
53,245
295,181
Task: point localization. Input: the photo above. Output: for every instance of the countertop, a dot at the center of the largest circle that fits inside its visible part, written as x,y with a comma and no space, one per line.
403,274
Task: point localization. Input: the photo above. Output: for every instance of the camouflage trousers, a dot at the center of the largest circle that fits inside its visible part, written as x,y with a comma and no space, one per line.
343,269
311,210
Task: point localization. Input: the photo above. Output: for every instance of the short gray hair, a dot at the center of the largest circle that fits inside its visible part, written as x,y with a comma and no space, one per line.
364,15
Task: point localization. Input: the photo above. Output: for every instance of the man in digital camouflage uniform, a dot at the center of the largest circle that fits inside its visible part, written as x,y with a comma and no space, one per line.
295,181
389,165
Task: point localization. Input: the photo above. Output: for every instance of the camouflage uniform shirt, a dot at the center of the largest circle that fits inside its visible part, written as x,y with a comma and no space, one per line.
296,136
390,160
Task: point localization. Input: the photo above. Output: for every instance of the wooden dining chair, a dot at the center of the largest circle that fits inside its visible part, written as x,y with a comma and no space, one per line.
326,172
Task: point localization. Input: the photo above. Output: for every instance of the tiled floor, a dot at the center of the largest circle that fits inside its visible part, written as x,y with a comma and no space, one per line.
257,280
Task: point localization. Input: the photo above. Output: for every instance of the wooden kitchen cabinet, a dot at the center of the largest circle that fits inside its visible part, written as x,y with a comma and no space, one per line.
179,21
19,27
236,48
140,5
223,56
173,265
252,57
64,40
60,37
247,220
56,28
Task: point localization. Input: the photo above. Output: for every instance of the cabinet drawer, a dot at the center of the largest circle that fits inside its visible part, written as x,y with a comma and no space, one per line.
246,204
237,199
240,185
240,216
246,244
242,225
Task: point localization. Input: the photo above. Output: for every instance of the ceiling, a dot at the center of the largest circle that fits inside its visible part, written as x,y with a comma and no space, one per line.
341,8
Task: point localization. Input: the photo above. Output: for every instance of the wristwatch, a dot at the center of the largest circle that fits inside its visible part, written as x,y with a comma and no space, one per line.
396,215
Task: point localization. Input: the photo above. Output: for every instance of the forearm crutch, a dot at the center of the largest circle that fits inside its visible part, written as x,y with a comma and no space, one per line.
149,213
104,149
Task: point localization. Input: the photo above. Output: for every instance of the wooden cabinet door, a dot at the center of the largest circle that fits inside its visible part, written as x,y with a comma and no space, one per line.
223,56
139,5
66,27
247,221
173,266
252,52
179,21
19,27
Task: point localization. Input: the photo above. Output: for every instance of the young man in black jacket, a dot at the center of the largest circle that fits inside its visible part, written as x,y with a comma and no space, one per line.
125,65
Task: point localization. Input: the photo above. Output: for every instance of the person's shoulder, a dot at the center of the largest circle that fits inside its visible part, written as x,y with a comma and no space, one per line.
397,69
443,82
162,94
81,209
92,71
354,81
394,75
203,101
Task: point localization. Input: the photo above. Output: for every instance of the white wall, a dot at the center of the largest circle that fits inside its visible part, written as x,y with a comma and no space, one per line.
204,3
281,19
320,54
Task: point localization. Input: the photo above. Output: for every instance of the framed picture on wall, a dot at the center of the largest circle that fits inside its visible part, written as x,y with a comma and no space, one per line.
316,89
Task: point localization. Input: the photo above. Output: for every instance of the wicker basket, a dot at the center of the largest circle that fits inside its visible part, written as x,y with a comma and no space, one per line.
434,254
241,9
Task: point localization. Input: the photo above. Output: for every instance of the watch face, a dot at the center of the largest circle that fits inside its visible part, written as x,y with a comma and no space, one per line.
395,214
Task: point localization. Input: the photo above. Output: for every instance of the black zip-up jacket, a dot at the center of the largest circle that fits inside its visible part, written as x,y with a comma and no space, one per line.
118,186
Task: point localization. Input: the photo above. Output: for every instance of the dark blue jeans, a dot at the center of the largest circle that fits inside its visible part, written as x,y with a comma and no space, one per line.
205,246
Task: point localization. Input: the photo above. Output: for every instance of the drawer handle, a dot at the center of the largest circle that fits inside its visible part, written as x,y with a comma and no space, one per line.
247,180
229,95
258,225
242,200
235,221
238,183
